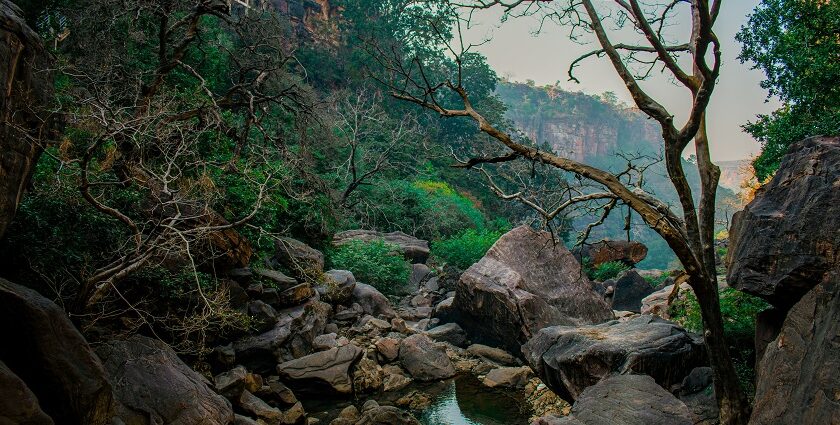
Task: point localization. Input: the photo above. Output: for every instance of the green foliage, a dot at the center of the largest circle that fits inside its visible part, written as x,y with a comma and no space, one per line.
465,249
605,271
738,310
376,263
795,43
657,281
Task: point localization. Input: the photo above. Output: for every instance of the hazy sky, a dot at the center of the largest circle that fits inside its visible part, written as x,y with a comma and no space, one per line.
516,52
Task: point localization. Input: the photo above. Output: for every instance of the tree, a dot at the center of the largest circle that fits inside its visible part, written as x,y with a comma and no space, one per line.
795,43
689,232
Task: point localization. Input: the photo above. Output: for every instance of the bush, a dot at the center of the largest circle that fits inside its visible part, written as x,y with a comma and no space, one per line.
657,281
465,249
606,271
376,263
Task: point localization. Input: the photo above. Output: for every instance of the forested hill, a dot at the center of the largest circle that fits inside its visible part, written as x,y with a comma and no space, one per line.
577,125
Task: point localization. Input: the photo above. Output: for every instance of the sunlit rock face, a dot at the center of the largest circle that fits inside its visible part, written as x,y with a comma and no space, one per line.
787,238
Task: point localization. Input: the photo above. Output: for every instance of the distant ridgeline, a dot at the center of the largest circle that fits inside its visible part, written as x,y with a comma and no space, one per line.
593,130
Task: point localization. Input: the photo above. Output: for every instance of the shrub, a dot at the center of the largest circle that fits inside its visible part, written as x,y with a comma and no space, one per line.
466,248
376,263
657,281
606,271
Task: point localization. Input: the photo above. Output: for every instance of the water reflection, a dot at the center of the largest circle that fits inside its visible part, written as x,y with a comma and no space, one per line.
466,401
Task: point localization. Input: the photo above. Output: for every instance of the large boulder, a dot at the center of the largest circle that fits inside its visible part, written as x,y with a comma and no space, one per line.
787,238
44,350
154,386
337,286
291,337
27,89
372,301
629,290
625,400
525,282
569,359
18,405
627,252
325,371
303,261
797,380
413,249
424,360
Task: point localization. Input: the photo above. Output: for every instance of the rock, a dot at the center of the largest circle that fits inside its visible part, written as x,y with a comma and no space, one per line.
237,296
263,315
421,300
253,405
450,332
338,287
299,258
388,348
698,394
423,360
399,325
395,378
243,420
418,273
348,416
294,415
322,371
786,239
524,283
331,328
275,278
26,96
372,301
295,295
413,249
626,400
290,338
224,355
18,405
508,377
431,285
496,355
277,392
231,383
348,314
154,386
414,400
797,381
386,415
446,311
659,302
627,252
45,351
370,323
367,376
768,324
570,359
629,290
416,313
324,342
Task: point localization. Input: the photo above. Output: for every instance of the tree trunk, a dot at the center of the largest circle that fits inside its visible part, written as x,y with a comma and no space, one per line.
734,406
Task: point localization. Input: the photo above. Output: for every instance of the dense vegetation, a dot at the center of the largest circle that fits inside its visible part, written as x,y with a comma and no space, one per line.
795,43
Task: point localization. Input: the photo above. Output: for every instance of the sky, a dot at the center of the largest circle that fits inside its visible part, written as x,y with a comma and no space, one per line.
514,51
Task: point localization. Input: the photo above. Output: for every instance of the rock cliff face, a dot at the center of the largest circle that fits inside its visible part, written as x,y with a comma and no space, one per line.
25,91
582,127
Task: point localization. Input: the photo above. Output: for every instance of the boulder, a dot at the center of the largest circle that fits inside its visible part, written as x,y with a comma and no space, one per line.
525,282
418,274
18,405
324,371
254,406
338,286
372,301
231,383
290,338
386,415
569,359
263,316
698,393
797,381
495,355
303,261
424,360
388,349
627,252
450,332
367,376
27,93
154,386
630,289
45,351
413,249
508,377
659,302
445,311
275,278
394,378
786,239
625,400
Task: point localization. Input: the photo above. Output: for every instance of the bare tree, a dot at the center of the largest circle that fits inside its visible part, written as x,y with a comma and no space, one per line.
375,142
690,231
